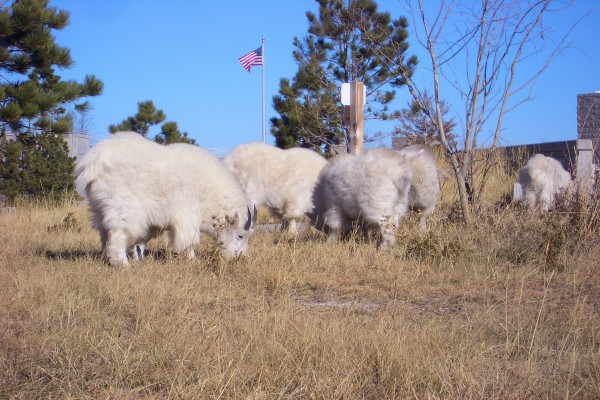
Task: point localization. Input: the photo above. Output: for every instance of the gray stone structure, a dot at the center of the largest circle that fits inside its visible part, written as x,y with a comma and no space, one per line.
588,120
79,143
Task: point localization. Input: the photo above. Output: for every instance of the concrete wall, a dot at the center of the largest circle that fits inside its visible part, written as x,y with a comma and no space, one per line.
563,151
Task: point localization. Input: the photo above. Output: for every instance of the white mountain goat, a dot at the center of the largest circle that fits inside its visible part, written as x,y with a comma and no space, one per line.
135,186
541,179
282,180
425,184
372,189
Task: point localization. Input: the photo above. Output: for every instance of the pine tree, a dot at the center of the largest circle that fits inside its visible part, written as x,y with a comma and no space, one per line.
36,166
48,168
339,48
35,103
169,133
11,168
27,49
146,117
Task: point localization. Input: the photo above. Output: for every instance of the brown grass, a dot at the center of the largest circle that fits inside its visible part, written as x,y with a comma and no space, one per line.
505,309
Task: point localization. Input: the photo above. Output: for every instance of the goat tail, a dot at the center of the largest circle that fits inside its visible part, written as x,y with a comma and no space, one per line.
88,169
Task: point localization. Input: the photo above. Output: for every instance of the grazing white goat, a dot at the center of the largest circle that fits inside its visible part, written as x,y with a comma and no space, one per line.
371,189
541,179
135,186
425,184
282,180
136,252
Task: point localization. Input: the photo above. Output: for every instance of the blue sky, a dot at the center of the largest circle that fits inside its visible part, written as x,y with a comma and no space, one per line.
183,55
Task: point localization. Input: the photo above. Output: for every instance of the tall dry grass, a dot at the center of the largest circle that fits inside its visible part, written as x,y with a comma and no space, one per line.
507,308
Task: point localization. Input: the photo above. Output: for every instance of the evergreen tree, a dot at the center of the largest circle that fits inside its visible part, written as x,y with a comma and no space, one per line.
169,133
146,117
11,168
48,168
37,166
339,48
35,103
27,49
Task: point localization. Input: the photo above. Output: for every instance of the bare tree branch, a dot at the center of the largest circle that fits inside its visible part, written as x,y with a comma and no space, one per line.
492,39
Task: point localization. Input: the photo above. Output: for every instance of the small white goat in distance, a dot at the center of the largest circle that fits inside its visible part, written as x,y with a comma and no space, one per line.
542,179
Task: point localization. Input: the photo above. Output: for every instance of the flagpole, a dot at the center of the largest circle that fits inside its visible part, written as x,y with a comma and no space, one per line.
264,122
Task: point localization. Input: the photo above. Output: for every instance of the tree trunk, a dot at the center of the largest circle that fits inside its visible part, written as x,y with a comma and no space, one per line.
461,184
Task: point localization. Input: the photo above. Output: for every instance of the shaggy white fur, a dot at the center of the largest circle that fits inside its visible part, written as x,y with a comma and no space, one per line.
135,187
425,184
542,178
282,180
371,189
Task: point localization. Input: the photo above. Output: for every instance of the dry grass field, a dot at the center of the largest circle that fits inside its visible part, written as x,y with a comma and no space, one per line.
508,308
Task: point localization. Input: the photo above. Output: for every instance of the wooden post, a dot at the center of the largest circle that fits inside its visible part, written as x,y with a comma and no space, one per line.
357,120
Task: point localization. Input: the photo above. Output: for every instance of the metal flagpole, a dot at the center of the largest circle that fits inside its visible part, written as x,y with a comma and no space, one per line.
264,124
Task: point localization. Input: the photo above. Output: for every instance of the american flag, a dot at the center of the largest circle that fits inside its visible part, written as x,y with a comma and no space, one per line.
253,58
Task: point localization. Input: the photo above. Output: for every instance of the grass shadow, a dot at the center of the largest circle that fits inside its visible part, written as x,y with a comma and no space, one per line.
73,255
